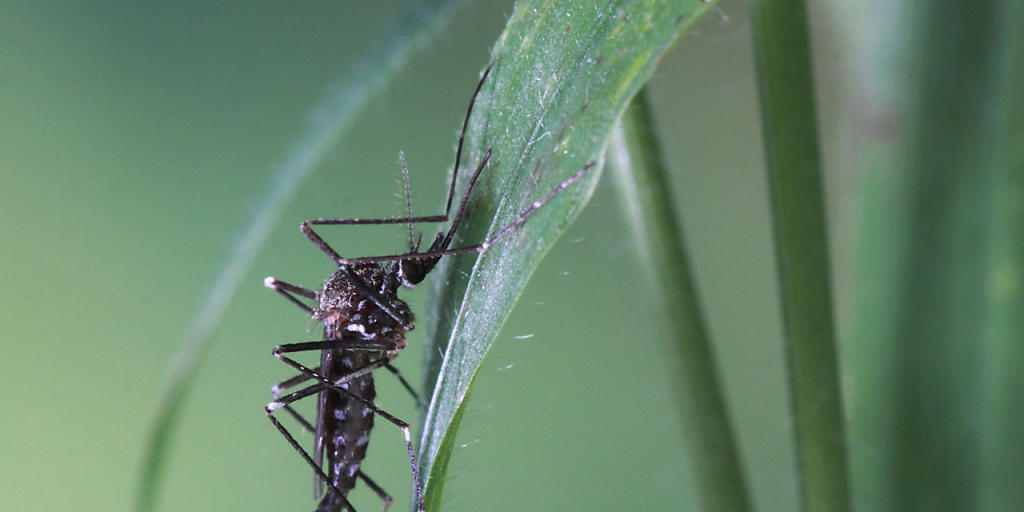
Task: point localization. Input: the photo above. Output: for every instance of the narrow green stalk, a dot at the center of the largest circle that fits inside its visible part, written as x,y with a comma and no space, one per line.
646,193
1002,458
785,83
928,227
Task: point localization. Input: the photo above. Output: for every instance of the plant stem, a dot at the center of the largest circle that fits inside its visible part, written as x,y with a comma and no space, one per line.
942,254
1002,464
645,191
785,85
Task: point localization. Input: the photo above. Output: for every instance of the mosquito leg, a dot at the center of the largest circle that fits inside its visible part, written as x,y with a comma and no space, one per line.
307,229
307,225
377,489
358,372
275,392
282,402
306,373
276,389
309,428
356,281
330,252
438,244
462,136
282,286
521,218
279,351
289,291
405,384
335,385
345,344
303,422
302,377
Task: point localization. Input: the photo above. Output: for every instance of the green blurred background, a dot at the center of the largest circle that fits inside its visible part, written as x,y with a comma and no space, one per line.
136,141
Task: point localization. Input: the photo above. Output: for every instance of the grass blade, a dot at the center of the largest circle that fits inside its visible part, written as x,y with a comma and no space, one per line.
1002,459
329,121
789,126
563,75
939,206
645,191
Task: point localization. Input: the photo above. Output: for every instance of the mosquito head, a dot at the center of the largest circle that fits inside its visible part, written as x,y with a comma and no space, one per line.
412,272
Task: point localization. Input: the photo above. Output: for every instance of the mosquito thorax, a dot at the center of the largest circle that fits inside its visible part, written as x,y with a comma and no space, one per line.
344,309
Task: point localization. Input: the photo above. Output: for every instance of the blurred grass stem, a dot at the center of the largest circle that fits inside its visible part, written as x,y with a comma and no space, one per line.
1002,467
644,189
786,91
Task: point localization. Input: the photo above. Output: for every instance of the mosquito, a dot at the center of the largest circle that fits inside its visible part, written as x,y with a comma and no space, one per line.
365,324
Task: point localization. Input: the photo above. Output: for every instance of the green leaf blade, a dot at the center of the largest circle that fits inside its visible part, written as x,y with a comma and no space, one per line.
562,77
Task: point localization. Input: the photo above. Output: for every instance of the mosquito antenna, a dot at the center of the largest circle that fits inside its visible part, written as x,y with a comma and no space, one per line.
462,135
408,197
